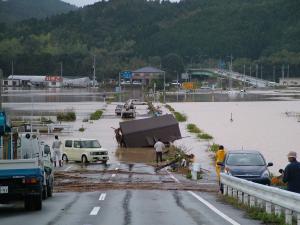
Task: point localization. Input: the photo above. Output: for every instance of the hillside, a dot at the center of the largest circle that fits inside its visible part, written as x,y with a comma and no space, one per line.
16,10
126,34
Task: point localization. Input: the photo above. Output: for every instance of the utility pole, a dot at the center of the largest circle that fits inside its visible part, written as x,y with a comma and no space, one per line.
250,72
12,68
61,69
274,68
164,87
261,69
244,80
120,87
1,76
94,72
256,73
282,72
288,71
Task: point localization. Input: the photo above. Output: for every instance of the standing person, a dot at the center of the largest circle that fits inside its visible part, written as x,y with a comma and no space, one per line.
159,146
220,156
56,151
291,173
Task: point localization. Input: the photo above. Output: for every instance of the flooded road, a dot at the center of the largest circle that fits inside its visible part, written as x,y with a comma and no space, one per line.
262,126
257,124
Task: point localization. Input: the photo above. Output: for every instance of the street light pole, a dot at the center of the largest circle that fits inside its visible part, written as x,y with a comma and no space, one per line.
1,76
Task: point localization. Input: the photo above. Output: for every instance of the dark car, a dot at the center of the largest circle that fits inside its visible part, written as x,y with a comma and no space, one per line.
249,165
118,110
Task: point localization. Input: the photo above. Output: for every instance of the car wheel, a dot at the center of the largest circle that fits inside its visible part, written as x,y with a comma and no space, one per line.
84,159
65,158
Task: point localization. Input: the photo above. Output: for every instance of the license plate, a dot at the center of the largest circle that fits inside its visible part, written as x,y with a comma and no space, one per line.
3,189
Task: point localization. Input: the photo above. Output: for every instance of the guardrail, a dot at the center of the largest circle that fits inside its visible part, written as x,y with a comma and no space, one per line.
273,199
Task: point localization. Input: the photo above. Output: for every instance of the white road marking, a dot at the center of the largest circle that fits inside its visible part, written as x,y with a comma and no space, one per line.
174,178
113,175
69,167
102,197
95,211
214,209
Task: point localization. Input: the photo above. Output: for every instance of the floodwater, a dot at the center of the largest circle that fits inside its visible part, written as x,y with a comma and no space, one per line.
259,120
263,126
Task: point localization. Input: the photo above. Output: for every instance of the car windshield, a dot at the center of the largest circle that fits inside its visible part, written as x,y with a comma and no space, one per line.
90,144
245,159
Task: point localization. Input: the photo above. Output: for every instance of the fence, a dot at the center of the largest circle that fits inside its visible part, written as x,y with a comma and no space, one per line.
272,199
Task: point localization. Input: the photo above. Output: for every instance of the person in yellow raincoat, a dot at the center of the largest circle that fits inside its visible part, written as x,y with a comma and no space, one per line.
220,156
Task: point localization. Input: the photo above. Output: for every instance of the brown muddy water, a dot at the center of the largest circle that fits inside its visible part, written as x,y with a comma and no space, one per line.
258,124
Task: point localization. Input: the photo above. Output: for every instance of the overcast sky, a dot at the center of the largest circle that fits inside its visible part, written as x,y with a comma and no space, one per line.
89,2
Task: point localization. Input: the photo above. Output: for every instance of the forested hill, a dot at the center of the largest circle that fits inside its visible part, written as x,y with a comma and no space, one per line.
126,34
16,10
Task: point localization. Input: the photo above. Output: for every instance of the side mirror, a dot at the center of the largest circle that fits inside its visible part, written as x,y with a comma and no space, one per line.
220,163
270,164
46,149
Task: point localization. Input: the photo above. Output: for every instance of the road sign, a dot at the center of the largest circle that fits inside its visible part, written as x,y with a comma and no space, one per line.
188,85
126,74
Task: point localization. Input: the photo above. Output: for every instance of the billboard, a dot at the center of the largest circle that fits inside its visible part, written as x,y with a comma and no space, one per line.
189,85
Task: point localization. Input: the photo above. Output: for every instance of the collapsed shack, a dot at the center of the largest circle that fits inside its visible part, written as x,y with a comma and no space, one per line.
145,132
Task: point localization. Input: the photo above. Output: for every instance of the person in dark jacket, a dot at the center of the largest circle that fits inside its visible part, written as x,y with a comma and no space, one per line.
291,174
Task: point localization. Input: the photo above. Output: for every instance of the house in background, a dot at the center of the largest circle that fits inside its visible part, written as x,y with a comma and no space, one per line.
146,74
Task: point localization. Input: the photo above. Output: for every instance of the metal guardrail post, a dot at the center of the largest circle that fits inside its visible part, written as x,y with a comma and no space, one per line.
252,201
288,216
246,199
277,210
230,191
268,207
225,189
240,196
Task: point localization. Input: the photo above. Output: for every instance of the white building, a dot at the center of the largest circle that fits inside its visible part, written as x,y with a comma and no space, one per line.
77,82
291,82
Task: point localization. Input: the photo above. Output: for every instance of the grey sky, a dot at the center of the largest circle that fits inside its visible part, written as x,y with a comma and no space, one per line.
89,2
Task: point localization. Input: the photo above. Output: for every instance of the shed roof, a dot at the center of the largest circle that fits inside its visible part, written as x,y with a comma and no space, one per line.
135,126
148,69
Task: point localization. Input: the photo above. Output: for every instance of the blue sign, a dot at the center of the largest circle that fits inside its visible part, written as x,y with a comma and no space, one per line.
126,74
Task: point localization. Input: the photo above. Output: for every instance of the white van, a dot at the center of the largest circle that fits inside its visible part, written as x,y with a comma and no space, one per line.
84,150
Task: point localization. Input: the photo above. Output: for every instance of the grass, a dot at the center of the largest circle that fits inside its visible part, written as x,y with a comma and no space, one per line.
192,128
255,212
81,129
96,115
66,116
180,117
213,148
170,108
205,136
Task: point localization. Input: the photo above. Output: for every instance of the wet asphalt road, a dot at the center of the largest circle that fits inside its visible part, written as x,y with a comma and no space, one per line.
126,207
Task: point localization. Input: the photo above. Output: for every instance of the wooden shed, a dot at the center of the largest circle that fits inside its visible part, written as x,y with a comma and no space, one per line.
145,132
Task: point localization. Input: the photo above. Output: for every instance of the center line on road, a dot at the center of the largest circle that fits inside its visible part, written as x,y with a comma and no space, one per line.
102,197
95,211
113,175
214,209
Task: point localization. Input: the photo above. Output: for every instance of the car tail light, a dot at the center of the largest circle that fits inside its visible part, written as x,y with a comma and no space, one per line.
31,180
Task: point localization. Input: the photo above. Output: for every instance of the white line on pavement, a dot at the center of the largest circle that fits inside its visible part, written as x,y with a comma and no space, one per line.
174,178
214,209
102,197
113,175
94,211
69,167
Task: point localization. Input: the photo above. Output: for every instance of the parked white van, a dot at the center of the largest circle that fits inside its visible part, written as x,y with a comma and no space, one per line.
84,150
